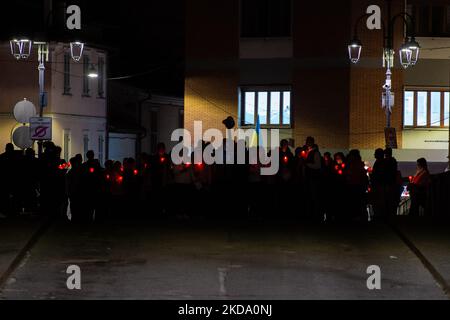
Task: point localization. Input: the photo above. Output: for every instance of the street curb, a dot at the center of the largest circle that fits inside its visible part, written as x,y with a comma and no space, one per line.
440,280
23,252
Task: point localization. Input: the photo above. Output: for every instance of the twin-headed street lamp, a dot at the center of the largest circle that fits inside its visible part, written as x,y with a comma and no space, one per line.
408,52
21,49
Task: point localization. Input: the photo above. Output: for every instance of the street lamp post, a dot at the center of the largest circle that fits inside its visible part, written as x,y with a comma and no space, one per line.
408,53
21,49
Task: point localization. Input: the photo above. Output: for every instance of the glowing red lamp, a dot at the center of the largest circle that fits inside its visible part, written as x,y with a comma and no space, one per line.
199,166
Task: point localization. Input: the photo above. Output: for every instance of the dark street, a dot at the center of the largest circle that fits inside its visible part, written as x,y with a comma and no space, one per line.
187,153
233,260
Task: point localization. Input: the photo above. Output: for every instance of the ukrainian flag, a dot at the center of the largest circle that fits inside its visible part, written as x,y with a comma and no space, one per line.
254,141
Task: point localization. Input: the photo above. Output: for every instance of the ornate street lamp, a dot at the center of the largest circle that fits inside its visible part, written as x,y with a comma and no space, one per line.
20,49
354,50
408,53
405,55
414,46
76,50
15,48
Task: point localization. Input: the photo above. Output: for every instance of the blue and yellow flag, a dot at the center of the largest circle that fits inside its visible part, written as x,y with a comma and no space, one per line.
255,137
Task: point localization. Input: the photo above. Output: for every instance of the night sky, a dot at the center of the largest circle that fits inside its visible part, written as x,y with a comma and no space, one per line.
145,39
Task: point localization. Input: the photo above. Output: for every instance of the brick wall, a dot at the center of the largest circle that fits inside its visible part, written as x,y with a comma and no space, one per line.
320,100
210,96
367,118
338,104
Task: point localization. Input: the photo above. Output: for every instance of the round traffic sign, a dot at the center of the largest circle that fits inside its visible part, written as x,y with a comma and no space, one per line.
21,137
23,111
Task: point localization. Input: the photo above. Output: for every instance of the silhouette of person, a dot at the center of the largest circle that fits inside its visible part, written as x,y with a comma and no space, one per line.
7,186
313,166
392,187
91,181
357,182
74,189
377,176
418,187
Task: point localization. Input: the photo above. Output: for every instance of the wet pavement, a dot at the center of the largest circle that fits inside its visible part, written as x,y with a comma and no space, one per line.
247,260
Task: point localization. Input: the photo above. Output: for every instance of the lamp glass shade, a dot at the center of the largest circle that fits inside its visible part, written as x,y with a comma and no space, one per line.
414,55
15,48
25,48
354,51
405,56
76,50
414,46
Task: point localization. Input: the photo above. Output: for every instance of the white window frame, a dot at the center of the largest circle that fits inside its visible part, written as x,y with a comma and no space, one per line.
443,119
269,89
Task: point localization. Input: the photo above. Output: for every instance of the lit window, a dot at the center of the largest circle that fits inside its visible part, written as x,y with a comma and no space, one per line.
67,59
101,75
435,119
273,107
85,141
286,107
249,117
85,76
66,144
408,111
446,108
262,107
424,108
101,142
422,101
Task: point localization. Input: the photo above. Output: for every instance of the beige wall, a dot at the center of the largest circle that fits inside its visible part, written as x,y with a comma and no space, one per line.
74,113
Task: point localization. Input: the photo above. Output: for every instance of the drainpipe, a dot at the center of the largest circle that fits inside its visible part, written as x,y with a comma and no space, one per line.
140,135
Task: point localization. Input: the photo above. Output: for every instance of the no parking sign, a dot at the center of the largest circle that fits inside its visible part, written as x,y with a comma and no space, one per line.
41,128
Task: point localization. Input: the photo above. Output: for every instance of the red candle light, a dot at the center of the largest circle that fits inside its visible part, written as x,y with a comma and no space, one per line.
199,166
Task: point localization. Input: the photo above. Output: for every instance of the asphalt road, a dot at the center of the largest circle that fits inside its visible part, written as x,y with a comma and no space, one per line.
250,260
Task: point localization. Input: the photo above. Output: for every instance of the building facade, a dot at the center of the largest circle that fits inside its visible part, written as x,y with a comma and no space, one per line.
287,62
75,102
139,120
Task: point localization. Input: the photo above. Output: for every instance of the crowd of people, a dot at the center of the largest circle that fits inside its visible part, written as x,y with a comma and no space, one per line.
308,184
